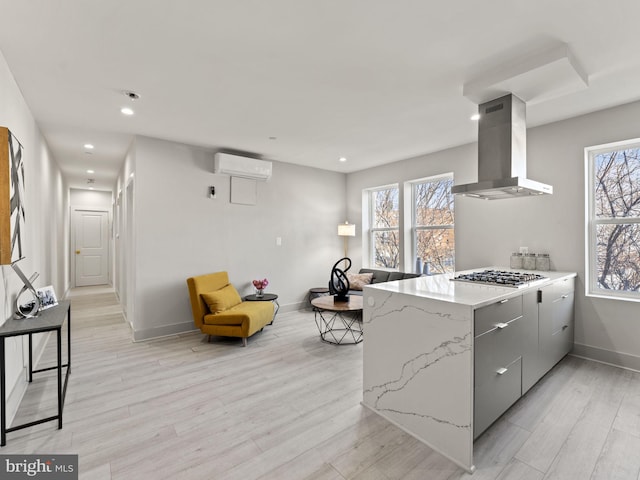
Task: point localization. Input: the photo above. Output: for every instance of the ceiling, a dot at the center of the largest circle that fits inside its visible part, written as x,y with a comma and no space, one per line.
299,81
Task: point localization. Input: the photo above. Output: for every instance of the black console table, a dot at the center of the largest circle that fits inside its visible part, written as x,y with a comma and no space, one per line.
47,320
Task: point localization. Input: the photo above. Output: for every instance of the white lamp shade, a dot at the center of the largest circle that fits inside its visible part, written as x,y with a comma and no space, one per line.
347,230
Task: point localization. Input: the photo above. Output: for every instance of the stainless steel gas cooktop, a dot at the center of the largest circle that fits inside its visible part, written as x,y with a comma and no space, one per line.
500,278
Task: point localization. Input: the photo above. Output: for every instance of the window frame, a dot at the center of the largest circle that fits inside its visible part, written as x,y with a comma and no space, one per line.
373,229
415,228
592,222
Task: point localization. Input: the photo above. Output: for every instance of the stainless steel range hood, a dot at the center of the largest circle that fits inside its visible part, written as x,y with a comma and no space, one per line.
502,153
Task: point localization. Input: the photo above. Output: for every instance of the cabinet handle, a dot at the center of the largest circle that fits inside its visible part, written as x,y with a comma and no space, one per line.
501,371
502,325
504,301
564,327
565,296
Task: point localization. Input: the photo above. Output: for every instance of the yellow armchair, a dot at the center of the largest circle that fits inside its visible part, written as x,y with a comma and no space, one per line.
218,309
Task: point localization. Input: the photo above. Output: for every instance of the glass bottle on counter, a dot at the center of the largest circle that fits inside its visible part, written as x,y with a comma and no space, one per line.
516,260
529,261
543,262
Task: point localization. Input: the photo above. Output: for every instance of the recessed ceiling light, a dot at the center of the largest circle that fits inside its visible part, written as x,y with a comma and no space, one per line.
90,171
342,159
126,111
88,146
475,117
90,188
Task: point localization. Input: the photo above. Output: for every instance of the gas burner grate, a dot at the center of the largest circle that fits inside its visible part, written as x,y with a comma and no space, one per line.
500,278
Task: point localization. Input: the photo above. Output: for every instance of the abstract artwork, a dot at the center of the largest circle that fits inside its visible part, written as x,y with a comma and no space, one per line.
12,214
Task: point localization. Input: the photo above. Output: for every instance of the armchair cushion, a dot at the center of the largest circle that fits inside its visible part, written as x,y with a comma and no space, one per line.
223,299
243,313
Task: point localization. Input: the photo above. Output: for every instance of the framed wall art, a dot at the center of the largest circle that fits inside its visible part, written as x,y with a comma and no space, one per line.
12,214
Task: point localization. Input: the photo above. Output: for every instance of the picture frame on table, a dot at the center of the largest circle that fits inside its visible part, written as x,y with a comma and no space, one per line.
47,296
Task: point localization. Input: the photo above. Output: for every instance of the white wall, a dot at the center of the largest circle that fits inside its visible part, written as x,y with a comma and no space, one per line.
91,199
181,232
47,221
488,231
124,235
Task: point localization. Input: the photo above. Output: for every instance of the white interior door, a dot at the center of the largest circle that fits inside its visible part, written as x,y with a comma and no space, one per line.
91,247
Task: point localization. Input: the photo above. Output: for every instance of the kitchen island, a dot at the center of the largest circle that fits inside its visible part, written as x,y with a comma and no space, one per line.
424,369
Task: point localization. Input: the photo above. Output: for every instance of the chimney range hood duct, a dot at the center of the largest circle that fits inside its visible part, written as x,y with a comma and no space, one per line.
502,148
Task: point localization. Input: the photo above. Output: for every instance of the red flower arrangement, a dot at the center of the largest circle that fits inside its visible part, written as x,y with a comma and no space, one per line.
261,284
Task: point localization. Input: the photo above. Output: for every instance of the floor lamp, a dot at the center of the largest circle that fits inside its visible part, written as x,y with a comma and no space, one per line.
346,230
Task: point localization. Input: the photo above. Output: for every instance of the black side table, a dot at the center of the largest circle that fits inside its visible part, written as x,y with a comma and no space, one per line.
266,297
47,320
317,292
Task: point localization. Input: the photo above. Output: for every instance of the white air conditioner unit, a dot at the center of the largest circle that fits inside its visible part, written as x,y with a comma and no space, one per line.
245,167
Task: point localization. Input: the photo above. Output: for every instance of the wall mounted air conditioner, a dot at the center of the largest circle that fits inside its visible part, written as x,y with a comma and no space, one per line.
238,166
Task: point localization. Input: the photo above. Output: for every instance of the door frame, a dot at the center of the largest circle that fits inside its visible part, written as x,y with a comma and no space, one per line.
72,240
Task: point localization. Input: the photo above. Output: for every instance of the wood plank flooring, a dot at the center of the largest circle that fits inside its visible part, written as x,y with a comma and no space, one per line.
287,407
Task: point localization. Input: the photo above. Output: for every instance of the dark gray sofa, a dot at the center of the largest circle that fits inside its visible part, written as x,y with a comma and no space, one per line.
380,276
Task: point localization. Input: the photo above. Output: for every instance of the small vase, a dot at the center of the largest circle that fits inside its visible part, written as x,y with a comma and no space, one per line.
259,292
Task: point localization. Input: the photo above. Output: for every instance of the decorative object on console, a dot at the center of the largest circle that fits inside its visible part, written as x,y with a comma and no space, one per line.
260,285
29,309
12,214
339,283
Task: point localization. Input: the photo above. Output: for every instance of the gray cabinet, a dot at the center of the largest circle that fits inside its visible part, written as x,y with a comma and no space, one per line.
516,342
498,345
556,324
531,364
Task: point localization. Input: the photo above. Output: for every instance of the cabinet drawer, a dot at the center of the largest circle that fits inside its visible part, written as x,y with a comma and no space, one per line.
559,289
486,318
494,397
497,349
562,336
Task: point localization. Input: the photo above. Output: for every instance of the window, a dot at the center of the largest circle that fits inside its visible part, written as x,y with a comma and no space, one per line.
385,231
433,233
613,220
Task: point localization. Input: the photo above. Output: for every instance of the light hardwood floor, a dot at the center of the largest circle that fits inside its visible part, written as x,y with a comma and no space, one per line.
287,407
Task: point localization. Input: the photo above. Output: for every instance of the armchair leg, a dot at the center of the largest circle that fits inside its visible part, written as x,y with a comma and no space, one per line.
244,341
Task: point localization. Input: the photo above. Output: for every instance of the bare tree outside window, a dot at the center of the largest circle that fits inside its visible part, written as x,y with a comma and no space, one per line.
385,233
433,224
616,219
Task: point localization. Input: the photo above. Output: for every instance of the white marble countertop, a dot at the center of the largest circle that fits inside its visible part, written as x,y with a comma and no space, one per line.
475,295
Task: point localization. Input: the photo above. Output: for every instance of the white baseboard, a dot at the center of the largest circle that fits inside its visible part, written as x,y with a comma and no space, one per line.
293,307
178,328
163,331
617,359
